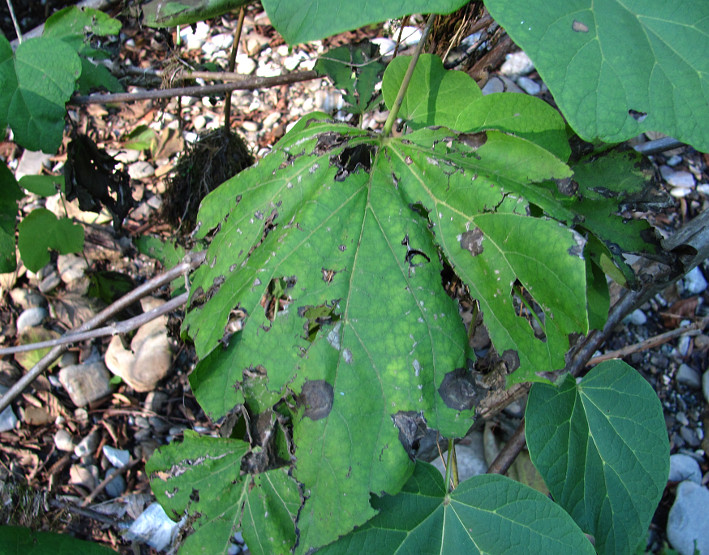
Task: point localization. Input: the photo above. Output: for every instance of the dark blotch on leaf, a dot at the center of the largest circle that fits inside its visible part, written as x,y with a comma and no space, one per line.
412,429
567,187
316,396
472,241
473,140
351,160
511,360
458,389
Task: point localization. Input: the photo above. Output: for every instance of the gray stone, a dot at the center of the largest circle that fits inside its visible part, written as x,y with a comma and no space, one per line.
684,467
690,436
117,486
688,521
471,458
638,317
694,282
141,169
88,445
26,298
30,318
154,527
8,420
688,376
675,178
705,385
493,85
155,401
31,163
86,477
71,267
529,86
85,383
64,441
49,283
117,457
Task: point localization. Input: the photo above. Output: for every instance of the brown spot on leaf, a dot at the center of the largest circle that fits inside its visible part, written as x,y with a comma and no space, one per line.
316,396
472,241
567,187
458,390
579,27
473,140
412,429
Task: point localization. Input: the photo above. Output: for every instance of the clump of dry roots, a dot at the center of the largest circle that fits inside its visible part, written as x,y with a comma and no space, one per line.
215,157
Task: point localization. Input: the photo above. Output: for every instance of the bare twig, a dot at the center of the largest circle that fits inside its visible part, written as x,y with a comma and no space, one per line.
14,21
107,480
651,342
509,452
190,262
115,329
232,64
240,83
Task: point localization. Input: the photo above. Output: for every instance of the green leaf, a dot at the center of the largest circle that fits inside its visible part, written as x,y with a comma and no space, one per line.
168,13
307,20
603,451
10,193
435,96
42,185
74,25
618,68
40,231
201,478
356,69
95,76
17,540
485,514
324,273
39,83
8,82
523,115
141,138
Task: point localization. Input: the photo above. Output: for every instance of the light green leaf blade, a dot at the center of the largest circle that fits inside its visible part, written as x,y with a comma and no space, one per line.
434,96
200,478
308,20
485,514
45,74
523,115
16,540
617,69
77,23
270,510
602,449
40,231
9,195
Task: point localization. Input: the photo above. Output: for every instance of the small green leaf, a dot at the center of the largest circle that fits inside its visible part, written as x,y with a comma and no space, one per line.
36,334
141,138
618,68
40,231
603,451
42,185
74,25
308,20
40,82
16,540
10,193
95,76
435,96
8,81
485,514
169,13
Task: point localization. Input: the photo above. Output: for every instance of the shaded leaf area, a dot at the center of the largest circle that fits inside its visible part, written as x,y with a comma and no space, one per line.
201,479
602,449
316,19
10,193
41,231
168,13
16,540
485,514
581,51
356,69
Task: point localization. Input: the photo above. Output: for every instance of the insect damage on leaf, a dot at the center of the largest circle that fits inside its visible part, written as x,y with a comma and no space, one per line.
412,429
528,309
276,298
472,241
316,397
458,389
351,160
318,316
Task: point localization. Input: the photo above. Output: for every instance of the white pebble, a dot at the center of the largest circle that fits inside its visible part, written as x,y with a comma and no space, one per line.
517,63
638,317
695,282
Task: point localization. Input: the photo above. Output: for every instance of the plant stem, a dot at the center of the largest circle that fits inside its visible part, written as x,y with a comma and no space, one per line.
389,124
232,64
449,465
14,21
240,83
190,262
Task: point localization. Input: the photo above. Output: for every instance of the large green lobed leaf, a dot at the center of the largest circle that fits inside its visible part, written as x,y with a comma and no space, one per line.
10,193
618,68
40,231
16,540
485,514
602,449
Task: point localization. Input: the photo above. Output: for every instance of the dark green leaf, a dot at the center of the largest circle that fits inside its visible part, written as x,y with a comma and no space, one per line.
10,193
108,285
95,76
40,231
43,185
169,13
8,81
16,540
617,69
485,514
602,448
308,20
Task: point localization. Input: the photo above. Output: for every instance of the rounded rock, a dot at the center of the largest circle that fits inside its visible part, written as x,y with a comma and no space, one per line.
684,467
30,318
64,441
688,376
688,520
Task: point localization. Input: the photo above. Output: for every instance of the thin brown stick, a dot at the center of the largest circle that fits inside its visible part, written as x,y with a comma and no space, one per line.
240,83
232,64
107,480
509,452
651,342
190,262
120,327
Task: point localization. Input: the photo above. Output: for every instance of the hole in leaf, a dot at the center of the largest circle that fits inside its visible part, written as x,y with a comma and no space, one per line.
412,429
472,241
414,257
637,116
473,140
276,299
318,316
234,324
327,275
527,308
328,141
316,397
352,159
458,389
